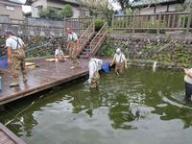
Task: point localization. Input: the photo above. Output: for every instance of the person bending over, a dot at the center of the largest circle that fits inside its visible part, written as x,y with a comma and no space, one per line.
95,65
188,84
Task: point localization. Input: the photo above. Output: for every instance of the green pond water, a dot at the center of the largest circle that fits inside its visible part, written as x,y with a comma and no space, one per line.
139,107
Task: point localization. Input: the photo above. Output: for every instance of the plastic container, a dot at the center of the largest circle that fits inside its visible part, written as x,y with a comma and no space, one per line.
106,68
0,83
3,62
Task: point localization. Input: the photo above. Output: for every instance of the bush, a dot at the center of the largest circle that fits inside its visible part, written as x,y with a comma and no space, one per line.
50,13
98,24
67,11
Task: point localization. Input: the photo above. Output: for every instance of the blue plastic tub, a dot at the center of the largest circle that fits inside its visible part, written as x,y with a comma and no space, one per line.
3,62
106,68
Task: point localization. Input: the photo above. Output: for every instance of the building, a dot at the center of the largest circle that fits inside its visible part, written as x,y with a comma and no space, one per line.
11,9
38,5
156,6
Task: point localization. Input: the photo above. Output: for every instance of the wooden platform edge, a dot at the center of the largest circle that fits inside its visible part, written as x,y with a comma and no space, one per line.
11,135
42,88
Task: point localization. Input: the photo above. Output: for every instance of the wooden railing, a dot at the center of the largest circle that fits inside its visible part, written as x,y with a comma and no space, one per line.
85,37
98,39
162,21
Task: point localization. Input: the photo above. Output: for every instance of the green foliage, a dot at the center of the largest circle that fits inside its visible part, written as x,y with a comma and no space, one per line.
107,49
54,14
123,3
67,11
98,24
51,13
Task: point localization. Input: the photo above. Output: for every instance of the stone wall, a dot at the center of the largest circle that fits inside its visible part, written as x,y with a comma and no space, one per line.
168,49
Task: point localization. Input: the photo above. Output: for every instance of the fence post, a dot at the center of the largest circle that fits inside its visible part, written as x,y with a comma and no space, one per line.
112,23
189,22
25,30
158,19
133,23
93,23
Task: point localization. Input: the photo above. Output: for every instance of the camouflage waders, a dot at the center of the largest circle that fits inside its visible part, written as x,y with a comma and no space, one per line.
17,65
95,80
119,67
74,54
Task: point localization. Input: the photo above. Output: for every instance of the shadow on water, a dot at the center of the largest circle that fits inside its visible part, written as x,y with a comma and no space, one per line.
123,108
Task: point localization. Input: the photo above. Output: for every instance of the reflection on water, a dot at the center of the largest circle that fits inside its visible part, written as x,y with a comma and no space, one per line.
139,107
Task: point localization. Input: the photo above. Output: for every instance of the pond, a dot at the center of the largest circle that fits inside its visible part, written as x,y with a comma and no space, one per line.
139,107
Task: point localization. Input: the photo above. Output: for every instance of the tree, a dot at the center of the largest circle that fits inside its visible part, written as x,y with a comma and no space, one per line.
98,8
123,3
188,5
67,11
51,13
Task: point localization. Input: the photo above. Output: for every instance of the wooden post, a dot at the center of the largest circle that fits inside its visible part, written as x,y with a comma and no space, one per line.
189,21
173,21
133,21
159,23
169,21
94,23
112,23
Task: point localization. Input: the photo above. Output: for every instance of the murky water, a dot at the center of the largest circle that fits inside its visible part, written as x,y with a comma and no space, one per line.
139,107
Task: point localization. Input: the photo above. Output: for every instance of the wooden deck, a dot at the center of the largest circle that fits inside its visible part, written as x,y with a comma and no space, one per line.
47,75
7,137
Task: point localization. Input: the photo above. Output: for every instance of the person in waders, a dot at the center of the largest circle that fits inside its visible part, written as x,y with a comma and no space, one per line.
188,84
73,46
120,62
95,65
16,57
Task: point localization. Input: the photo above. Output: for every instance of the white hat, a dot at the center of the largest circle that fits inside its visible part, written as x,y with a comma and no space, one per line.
118,50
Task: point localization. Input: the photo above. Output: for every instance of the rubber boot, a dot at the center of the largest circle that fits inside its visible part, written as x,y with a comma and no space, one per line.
14,84
25,79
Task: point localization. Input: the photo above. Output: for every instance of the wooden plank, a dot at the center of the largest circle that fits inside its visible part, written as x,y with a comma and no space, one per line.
49,74
8,137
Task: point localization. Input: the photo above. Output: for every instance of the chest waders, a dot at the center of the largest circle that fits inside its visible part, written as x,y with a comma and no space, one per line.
18,64
95,78
119,66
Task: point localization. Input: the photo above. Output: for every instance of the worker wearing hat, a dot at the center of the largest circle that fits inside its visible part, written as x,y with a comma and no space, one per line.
120,61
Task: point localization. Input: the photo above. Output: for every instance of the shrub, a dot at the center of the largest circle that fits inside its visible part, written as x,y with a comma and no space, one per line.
50,13
67,11
98,24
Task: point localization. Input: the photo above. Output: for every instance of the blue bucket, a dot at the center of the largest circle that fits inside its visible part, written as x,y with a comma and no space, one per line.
106,68
3,62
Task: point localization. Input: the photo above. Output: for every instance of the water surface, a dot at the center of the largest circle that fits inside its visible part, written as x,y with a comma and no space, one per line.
139,107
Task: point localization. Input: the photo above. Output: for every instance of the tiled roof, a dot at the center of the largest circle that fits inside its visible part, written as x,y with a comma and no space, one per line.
149,2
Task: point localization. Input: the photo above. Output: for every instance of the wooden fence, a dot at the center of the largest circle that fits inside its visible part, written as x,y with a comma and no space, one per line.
158,22
43,38
27,28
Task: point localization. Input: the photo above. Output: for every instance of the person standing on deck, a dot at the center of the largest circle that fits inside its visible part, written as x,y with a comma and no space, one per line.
73,45
120,61
188,84
95,65
16,57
